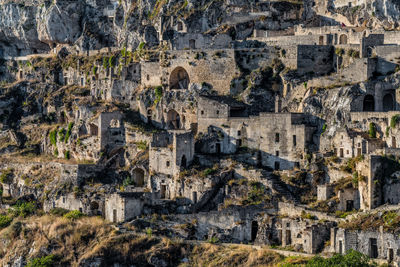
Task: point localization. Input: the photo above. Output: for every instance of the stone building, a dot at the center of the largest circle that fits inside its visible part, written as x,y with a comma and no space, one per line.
171,152
111,130
348,143
123,206
281,140
375,244
304,235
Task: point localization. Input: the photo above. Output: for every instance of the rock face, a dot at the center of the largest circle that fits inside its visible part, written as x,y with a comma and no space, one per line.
60,22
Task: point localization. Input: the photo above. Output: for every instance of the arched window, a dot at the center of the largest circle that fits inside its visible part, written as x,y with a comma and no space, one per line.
173,120
369,103
388,103
179,79
343,39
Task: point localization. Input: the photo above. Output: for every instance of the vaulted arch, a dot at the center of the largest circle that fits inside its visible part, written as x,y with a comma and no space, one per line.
179,79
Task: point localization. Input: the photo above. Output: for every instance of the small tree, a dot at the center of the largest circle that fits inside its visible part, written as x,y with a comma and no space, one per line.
372,130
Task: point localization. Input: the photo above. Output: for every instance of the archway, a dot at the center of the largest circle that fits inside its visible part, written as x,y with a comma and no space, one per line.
173,120
369,103
138,177
388,103
94,205
343,39
179,79
183,161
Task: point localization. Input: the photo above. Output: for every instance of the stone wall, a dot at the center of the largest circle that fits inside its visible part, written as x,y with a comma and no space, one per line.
124,206
281,142
214,67
375,244
111,130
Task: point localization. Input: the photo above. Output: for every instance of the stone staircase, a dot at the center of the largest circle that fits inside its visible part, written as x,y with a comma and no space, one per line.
277,185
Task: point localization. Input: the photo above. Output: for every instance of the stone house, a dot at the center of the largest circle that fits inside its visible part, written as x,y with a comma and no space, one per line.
348,143
376,244
171,152
123,206
281,140
304,234
111,130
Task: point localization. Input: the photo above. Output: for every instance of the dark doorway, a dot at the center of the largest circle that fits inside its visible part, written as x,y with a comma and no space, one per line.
349,205
341,153
288,237
218,148
394,145
373,248
192,44
254,230
359,151
138,177
369,103
114,215
340,247
183,161
277,166
390,256
163,191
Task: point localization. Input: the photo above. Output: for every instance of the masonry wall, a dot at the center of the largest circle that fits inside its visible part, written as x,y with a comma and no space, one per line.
125,205
214,67
111,135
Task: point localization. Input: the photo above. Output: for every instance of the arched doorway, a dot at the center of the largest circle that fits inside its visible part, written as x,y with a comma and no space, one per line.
138,177
173,120
321,40
179,79
343,39
369,103
183,161
388,103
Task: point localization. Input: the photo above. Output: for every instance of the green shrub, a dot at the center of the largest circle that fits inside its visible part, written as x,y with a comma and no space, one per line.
67,154
61,134
394,120
142,145
208,171
323,129
23,209
74,215
372,130
58,211
53,137
6,176
69,130
4,221
149,232
351,258
46,261
128,181
94,70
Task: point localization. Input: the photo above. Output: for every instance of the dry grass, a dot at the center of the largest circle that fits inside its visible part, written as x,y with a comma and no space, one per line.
234,255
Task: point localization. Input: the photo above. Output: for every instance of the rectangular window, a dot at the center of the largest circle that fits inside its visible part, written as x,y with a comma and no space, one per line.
168,163
239,133
294,140
277,138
